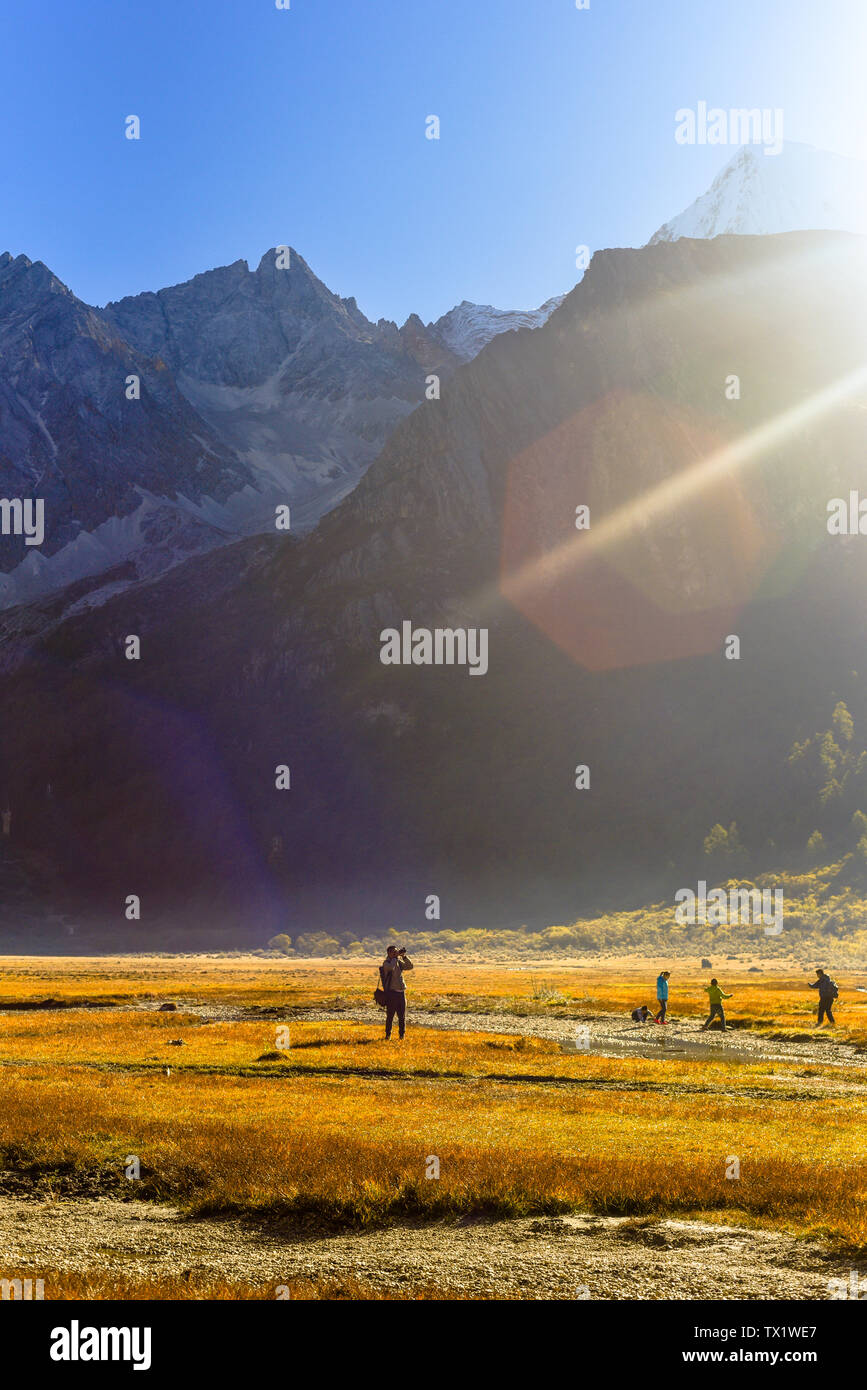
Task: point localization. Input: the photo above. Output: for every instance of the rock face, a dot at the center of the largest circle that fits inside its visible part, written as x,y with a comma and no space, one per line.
295,379
708,511
800,188
117,476
258,389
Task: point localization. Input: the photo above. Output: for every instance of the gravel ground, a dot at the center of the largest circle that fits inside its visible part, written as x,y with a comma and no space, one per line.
565,1257
610,1035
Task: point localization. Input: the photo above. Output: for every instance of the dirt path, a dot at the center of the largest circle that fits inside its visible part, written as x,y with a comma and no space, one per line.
606,1035
531,1258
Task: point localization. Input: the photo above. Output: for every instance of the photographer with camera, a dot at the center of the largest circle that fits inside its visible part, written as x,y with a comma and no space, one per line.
391,974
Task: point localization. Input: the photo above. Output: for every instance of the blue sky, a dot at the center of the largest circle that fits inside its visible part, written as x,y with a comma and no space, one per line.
306,127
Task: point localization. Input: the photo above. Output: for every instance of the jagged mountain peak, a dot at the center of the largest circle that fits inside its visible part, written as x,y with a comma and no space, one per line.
30,276
103,463
277,389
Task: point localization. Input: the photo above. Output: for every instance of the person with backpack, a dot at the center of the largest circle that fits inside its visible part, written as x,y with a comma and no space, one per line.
828,992
391,974
662,995
716,996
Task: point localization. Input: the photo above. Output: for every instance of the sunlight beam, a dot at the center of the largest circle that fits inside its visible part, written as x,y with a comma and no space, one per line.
674,492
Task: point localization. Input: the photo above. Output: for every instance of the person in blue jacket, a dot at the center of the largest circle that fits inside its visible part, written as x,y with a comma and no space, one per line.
662,995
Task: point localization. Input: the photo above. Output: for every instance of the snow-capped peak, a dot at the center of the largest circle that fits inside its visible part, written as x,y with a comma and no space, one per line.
467,328
800,189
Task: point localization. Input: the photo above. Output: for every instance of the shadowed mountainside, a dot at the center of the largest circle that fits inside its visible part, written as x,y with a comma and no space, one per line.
606,645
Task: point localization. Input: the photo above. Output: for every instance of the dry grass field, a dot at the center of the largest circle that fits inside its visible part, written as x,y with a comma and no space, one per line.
270,1096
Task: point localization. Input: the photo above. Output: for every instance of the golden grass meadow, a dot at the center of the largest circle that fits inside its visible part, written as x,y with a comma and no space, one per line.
240,1103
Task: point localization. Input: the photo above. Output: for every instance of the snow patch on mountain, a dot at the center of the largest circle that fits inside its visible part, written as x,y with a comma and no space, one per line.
800,189
467,328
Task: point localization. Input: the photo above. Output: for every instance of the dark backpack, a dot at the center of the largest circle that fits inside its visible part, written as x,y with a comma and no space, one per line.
835,993
379,994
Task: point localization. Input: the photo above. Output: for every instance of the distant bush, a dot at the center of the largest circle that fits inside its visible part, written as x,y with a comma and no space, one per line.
282,943
561,938
316,944
816,848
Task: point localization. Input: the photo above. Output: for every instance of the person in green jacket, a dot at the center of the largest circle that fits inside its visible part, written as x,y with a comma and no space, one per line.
716,996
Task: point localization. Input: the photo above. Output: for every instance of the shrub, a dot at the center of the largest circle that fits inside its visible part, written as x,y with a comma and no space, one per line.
816,847
282,943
